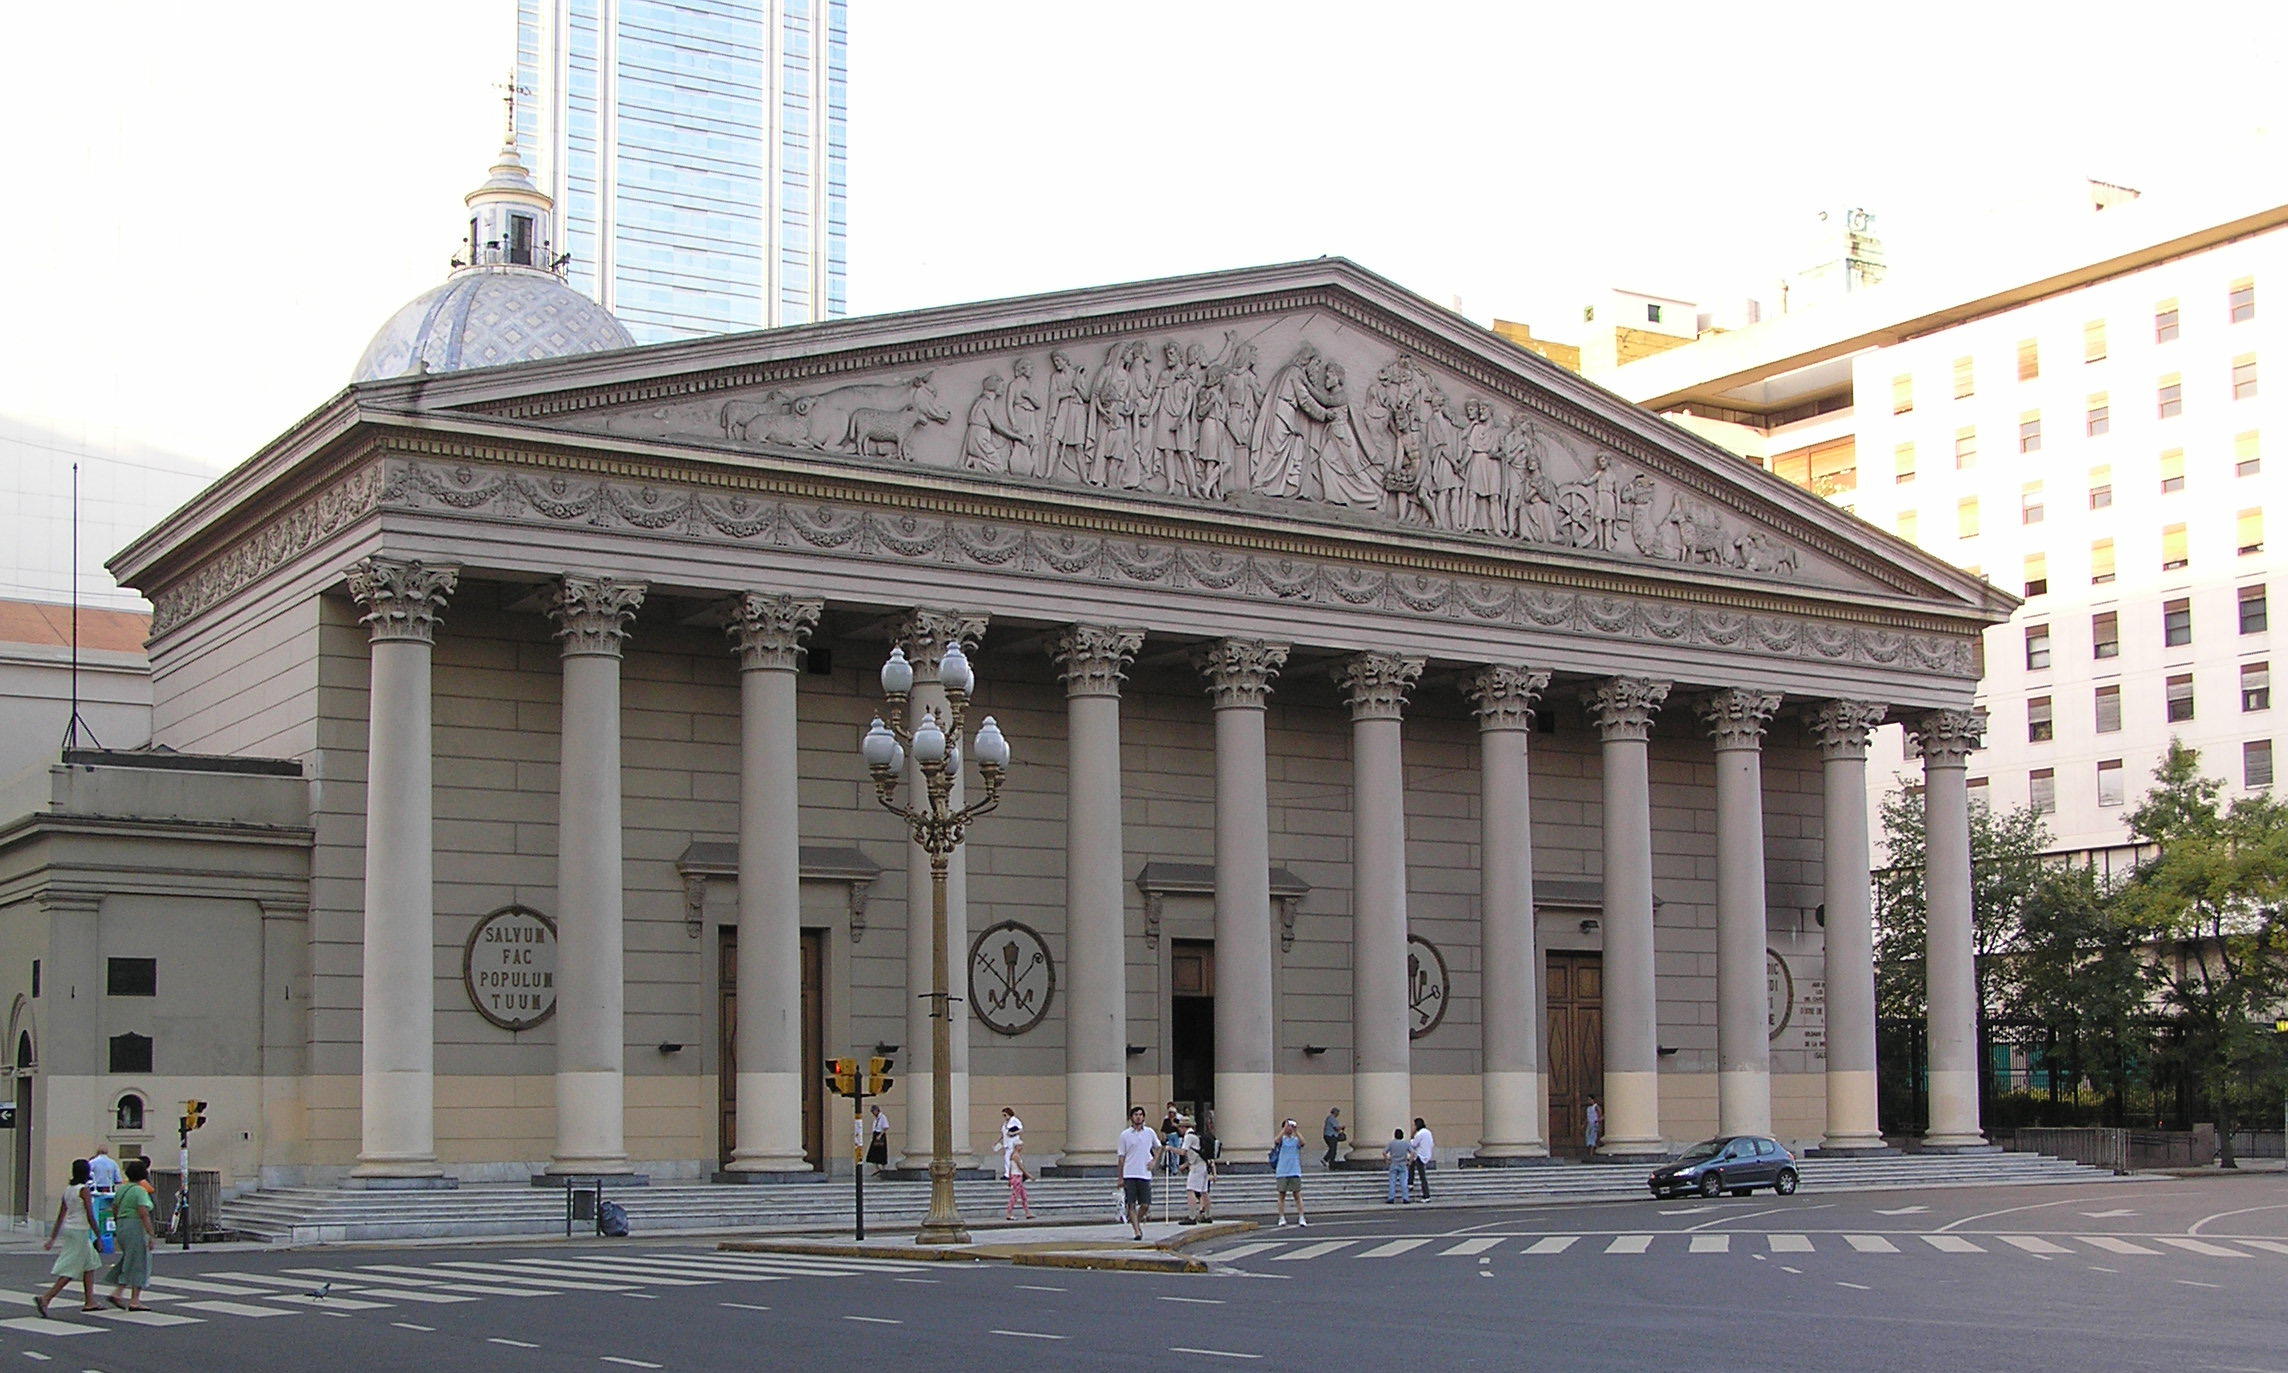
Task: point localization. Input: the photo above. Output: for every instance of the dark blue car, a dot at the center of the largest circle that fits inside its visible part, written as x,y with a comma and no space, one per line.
1738,1164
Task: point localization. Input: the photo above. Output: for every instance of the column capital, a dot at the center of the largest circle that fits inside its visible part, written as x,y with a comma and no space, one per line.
767,631
1503,694
925,633
1239,671
592,614
1946,738
1623,707
1376,683
401,598
1737,716
1842,727
1090,658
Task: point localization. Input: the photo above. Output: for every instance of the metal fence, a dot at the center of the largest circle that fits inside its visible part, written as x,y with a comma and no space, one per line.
2122,1151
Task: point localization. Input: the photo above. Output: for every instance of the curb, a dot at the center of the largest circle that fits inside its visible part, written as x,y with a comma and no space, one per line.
1153,1262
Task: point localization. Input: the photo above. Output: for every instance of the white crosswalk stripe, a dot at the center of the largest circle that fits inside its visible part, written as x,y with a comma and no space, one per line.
1393,1249
1790,1244
2203,1247
1711,1244
1720,1242
1552,1244
1468,1247
2115,1246
1629,1244
1952,1244
2034,1244
1871,1244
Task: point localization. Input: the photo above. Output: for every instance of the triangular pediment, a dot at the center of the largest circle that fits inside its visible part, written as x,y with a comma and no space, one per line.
1312,393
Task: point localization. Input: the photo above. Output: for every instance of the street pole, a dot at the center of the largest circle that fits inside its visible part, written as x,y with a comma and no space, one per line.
944,1224
858,1141
183,1192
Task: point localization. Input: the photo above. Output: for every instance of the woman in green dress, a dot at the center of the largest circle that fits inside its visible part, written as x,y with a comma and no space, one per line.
75,1224
131,1210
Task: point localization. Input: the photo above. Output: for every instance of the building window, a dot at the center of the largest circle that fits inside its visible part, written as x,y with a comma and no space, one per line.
2172,471
2042,790
2030,432
2109,710
2037,647
2176,623
2255,687
2109,790
1902,464
2105,634
130,1053
1588,314
1966,518
2029,359
2100,487
2247,456
1824,469
2244,378
2254,615
2100,561
2256,763
2248,529
2171,396
2165,322
2172,547
1652,314
1907,524
1902,393
127,1116
2180,697
131,977
2100,416
2037,574
1965,449
1965,379
2242,300
2039,727
2030,510
2093,341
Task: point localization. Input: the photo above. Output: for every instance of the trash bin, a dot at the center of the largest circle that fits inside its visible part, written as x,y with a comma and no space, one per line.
582,1198
206,1199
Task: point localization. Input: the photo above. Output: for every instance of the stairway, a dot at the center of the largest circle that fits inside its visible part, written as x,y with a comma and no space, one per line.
326,1215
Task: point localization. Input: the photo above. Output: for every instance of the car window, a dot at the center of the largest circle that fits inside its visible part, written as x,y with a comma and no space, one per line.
1705,1149
1766,1148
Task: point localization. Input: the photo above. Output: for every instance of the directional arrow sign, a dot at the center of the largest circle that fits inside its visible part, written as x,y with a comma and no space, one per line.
2107,1215
1904,1211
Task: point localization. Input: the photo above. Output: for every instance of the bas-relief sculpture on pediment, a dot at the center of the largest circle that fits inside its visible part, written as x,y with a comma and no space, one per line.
1300,410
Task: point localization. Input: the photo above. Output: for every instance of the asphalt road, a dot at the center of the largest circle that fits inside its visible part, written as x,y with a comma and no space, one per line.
2182,1275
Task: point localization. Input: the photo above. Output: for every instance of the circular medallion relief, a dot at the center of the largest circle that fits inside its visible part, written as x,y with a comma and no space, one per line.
1426,986
1780,991
1012,979
509,967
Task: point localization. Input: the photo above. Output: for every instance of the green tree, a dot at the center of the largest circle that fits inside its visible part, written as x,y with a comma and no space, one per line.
2082,983
2208,906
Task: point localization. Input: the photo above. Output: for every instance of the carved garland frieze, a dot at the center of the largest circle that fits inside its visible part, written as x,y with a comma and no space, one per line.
351,498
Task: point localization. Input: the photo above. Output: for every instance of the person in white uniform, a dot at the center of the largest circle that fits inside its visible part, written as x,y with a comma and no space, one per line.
1139,1148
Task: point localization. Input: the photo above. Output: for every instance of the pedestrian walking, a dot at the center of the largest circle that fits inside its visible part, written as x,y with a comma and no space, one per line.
878,1142
1287,1170
1211,1153
131,1209
1334,1132
1012,1148
1139,1149
75,1225
1425,1154
1596,1131
1195,1174
1398,1153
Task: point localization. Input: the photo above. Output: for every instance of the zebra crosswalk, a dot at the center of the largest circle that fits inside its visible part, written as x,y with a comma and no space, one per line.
349,1288
1734,1242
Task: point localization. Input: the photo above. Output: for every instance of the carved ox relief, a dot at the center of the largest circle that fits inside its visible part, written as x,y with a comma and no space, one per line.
1279,415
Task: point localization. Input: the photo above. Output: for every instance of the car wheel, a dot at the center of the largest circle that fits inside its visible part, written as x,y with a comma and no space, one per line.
1785,1183
1711,1184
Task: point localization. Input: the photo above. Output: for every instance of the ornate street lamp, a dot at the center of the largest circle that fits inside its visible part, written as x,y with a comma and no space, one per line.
939,826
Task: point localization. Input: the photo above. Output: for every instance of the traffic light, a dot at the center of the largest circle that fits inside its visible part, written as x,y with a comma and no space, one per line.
842,1075
878,1077
194,1115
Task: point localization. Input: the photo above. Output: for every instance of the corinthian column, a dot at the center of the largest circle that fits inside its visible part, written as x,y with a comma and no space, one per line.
1239,673
592,615
1381,1026
1623,708
767,632
1090,658
1743,988
1515,1123
1945,739
398,995
1852,1124
925,635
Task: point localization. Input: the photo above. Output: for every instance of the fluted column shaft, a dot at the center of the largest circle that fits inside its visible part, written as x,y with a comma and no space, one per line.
1743,986
592,616
1381,1087
767,632
1945,739
1090,658
1623,708
925,635
397,1124
1239,673
1516,1123
1852,1121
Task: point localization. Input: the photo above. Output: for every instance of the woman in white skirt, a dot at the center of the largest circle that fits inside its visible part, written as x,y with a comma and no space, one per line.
75,1224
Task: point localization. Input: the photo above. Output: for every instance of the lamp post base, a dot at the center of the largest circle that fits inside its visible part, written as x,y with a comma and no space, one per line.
944,1224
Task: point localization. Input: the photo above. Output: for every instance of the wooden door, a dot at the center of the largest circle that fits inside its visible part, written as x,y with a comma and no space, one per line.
814,1053
1574,992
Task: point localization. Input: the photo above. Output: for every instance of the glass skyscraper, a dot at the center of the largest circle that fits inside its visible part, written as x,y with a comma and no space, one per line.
696,153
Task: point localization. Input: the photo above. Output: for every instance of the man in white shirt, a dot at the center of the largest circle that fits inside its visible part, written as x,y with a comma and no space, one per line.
1139,1149
103,1170
1425,1154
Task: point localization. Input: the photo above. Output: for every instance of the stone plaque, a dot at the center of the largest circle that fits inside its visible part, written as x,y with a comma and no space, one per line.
1012,979
1426,986
1779,993
509,967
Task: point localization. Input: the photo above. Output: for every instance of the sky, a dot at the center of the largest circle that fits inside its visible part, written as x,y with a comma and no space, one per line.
215,205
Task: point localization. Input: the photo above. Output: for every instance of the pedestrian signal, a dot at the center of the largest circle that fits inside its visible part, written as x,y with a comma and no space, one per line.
878,1077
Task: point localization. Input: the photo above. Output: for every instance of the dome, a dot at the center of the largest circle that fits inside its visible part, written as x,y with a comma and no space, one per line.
484,316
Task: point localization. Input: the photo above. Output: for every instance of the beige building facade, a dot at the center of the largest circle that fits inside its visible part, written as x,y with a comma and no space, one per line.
1400,723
